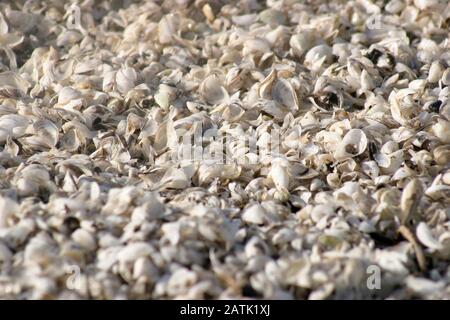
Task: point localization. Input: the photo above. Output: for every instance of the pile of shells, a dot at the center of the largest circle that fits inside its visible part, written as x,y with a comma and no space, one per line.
333,181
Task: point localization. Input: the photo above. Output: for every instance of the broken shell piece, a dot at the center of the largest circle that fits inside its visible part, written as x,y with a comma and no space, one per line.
426,237
353,144
255,214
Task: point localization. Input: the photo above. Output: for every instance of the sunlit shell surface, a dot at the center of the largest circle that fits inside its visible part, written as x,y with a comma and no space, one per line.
225,149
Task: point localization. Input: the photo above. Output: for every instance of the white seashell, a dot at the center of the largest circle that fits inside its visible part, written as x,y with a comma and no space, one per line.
442,130
167,28
366,81
126,79
284,93
212,90
424,286
370,168
39,251
317,56
354,143
144,268
426,237
255,46
446,77
85,239
12,125
134,251
244,20
300,43
280,175
32,179
424,4
394,6
47,133
410,198
255,214
66,94
435,73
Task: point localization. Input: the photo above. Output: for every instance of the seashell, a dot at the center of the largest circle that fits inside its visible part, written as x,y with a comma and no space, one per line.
353,144
410,199
442,129
212,91
255,214
446,77
371,169
272,17
208,12
67,94
12,125
426,237
7,209
366,81
441,155
167,27
47,133
165,95
85,239
245,19
435,73
284,93
68,38
126,79
300,43
317,56
279,175
157,149
255,46
134,251
424,4
280,90
422,286
395,6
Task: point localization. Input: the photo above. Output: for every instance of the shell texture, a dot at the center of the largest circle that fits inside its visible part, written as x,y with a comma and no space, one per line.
224,149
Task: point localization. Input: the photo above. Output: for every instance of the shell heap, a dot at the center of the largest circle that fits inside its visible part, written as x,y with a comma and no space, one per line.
94,95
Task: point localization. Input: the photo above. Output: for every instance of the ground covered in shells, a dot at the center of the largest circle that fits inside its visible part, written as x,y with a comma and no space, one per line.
320,136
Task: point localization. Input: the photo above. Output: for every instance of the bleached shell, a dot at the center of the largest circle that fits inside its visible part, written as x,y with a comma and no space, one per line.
353,144
446,77
426,237
47,132
280,175
435,73
317,56
134,251
126,79
66,94
255,214
212,90
442,130
13,125
300,43
423,286
284,93
85,239
167,28
103,103
394,6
